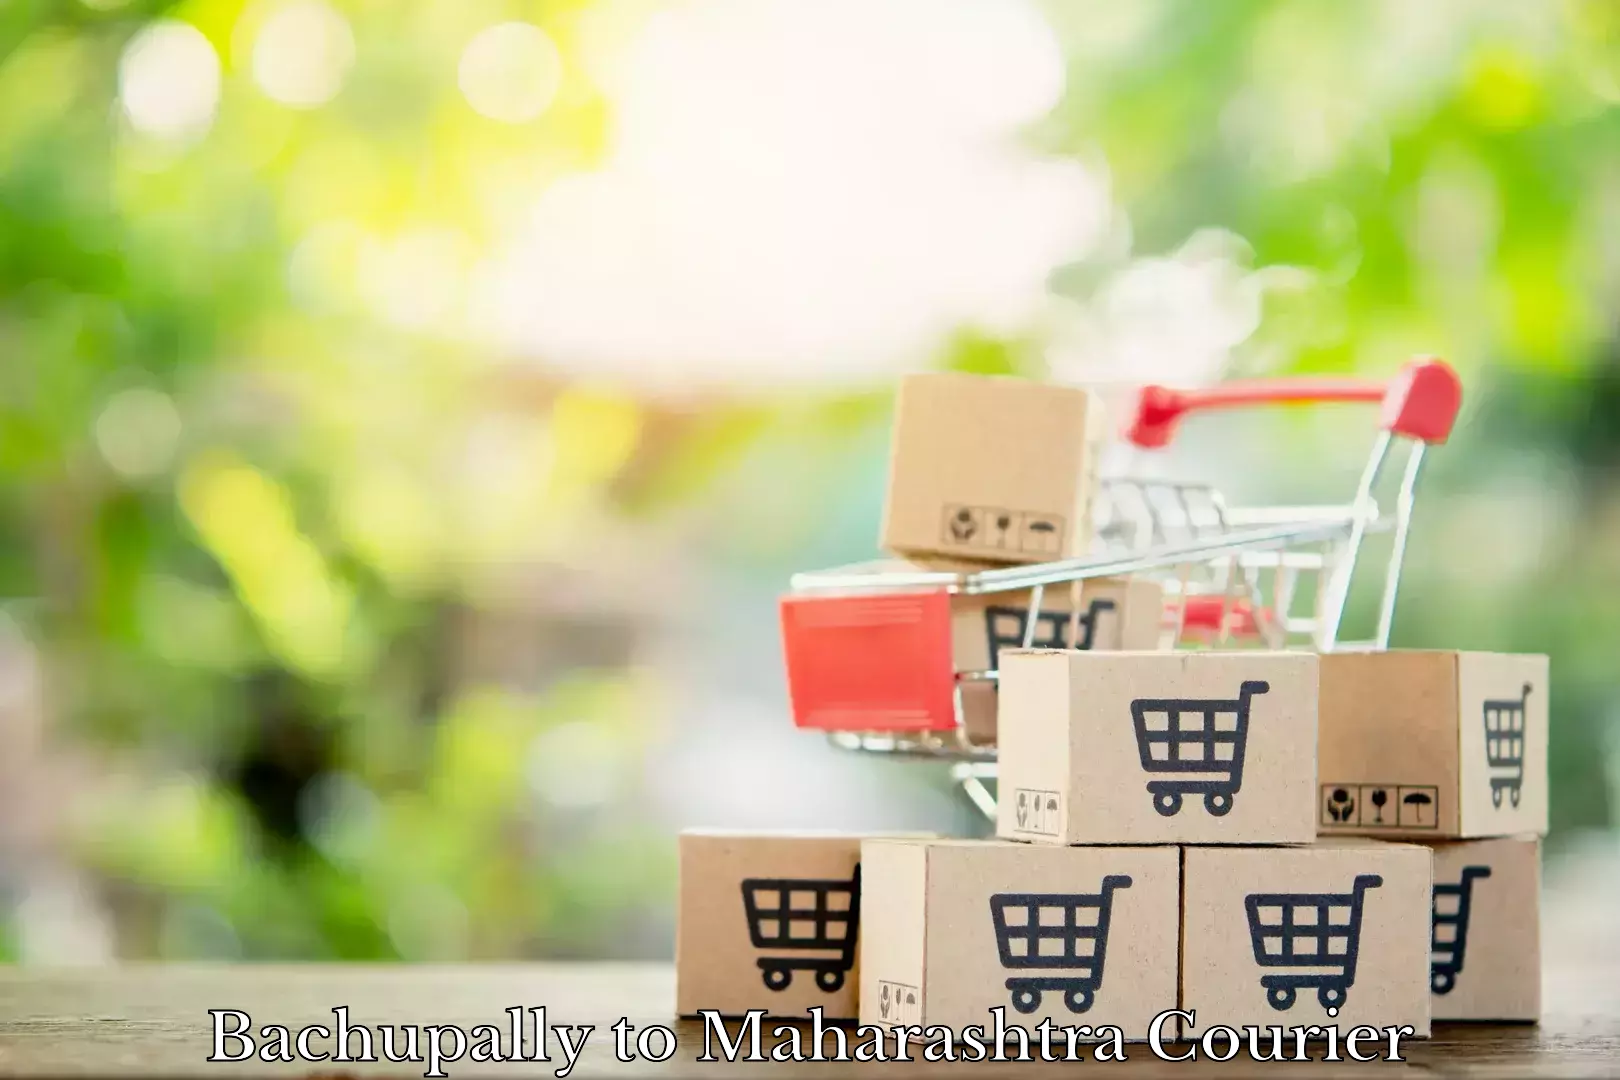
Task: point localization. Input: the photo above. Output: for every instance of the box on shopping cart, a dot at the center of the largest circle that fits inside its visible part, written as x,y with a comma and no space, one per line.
1335,933
844,648
767,920
1485,960
1433,744
991,468
954,928
1157,747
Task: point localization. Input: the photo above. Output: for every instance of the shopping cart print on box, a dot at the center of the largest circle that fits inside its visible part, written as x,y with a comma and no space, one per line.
798,916
1449,937
1317,933
1008,628
1063,935
1200,741
869,655
1504,746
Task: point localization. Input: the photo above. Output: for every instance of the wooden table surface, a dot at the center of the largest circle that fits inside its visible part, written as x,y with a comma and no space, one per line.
154,1020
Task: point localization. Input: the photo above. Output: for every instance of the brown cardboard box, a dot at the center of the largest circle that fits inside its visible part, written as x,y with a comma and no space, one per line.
1486,945
991,468
1157,747
1251,953
733,951
1433,744
946,933
1114,614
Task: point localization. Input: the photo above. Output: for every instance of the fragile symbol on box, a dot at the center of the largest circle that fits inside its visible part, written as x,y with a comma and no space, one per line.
1381,806
1318,933
1448,939
1027,532
1504,746
804,916
899,1003
1039,812
1206,737
1063,935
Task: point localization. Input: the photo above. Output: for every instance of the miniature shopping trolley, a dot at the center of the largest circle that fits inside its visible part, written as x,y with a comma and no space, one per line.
1448,939
1062,936
1317,934
803,916
1504,746
869,656
1203,757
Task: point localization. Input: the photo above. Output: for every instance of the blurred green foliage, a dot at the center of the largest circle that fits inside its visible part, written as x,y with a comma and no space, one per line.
222,505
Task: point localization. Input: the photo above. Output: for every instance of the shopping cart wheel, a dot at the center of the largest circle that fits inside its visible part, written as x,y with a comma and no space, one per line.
1281,997
1331,997
1513,793
1218,803
1026,1001
1441,982
1078,999
777,978
829,980
1167,803
1496,796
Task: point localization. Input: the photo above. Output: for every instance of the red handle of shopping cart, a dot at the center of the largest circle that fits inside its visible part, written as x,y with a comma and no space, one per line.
1420,403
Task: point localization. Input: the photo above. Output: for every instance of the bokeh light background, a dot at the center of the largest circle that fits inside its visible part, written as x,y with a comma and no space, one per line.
410,409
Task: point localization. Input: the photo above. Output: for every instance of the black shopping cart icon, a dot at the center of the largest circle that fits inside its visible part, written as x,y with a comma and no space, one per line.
1504,746
1319,933
800,915
1061,933
1006,627
1199,736
1448,940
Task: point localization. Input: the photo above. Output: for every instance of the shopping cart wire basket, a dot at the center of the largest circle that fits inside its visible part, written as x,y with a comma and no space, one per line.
799,916
1318,933
869,656
1201,736
1448,940
1063,935
1504,746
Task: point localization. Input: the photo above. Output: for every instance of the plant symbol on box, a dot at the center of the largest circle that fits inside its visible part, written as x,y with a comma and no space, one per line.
1205,737
1448,937
896,1001
802,915
1341,805
1504,746
1078,934
1318,932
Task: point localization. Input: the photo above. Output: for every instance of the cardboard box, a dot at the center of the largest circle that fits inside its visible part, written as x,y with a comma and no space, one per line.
1254,950
1485,961
991,468
1157,747
948,933
767,921
888,660
1433,744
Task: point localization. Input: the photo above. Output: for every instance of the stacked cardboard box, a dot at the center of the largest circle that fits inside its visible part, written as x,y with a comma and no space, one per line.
1165,839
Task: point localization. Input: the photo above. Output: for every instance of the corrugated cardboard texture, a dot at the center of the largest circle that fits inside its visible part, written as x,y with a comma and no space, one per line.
1403,746
717,963
1221,980
991,468
966,968
1487,932
1503,743
1071,747
893,918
